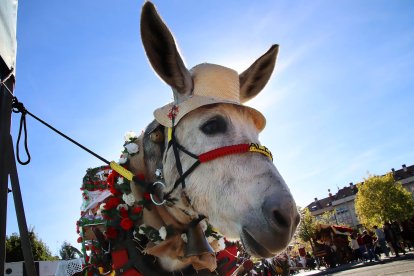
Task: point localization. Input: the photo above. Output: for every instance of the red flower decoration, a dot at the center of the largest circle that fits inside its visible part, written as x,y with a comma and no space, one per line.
123,212
111,178
127,223
173,112
114,191
87,259
112,202
111,233
137,210
79,240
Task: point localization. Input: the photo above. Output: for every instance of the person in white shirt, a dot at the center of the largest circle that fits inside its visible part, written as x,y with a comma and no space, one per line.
381,240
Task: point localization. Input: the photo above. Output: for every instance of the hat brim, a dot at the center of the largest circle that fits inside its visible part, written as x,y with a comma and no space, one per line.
163,114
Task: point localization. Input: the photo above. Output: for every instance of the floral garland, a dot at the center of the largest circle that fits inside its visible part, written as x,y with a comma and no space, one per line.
121,212
123,205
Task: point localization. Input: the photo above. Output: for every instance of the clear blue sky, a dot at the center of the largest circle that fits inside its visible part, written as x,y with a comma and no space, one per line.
339,105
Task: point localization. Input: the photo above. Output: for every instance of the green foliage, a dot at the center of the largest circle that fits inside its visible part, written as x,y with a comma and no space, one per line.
327,218
380,199
307,227
14,251
68,252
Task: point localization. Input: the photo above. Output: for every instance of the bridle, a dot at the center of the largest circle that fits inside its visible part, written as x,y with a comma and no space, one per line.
205,157
197,245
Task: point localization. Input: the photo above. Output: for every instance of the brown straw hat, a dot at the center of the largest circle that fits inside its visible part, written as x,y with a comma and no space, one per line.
212,84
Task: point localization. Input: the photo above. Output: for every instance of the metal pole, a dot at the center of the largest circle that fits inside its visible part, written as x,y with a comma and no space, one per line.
5,121
8,167
21,219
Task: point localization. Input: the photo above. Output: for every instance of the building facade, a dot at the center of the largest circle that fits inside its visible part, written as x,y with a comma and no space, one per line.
343,202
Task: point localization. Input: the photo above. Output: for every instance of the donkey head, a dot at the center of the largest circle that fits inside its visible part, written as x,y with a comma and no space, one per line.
242,195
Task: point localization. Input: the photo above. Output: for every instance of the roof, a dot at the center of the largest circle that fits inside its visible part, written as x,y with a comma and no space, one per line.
320,204
403,173
346,191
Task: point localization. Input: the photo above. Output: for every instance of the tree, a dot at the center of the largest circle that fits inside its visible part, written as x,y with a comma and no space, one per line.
329,217
68,252
14,251
381,199
307,227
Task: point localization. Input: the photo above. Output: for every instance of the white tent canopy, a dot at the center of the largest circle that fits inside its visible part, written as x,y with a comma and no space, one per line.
8,17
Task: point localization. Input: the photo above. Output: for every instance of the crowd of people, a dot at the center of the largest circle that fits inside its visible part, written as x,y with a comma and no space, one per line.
332,247
369,245
390,238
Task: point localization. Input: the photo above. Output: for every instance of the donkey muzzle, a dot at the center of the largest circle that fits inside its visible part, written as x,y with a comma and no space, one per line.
277,226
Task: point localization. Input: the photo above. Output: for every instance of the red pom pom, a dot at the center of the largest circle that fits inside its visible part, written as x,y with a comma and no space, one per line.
79,240
126,223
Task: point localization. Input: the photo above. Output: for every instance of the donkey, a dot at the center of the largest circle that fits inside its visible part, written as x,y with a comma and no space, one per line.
208,173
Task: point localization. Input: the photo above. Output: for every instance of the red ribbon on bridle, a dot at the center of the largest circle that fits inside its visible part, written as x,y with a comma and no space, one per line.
208,156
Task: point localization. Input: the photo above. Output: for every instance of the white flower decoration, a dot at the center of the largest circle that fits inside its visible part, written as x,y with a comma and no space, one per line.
163,233
123,159
129,199
132,148
184,237
122,206
102,206
130,135
120,181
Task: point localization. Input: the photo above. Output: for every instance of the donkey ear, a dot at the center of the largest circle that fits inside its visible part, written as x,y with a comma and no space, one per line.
254,79
162,52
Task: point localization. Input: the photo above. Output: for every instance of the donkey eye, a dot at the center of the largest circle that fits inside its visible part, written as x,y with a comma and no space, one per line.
214,126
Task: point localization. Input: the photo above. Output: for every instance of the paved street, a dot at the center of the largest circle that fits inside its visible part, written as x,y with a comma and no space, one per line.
403,265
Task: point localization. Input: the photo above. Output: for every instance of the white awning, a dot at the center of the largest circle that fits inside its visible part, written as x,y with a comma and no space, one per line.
8,18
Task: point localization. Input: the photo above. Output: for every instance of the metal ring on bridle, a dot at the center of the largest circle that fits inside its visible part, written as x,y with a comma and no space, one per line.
151,196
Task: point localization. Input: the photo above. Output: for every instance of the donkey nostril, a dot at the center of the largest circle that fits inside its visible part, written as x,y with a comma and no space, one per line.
279,219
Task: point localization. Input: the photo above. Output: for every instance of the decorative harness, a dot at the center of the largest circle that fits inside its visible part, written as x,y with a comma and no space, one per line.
206,156
201,158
